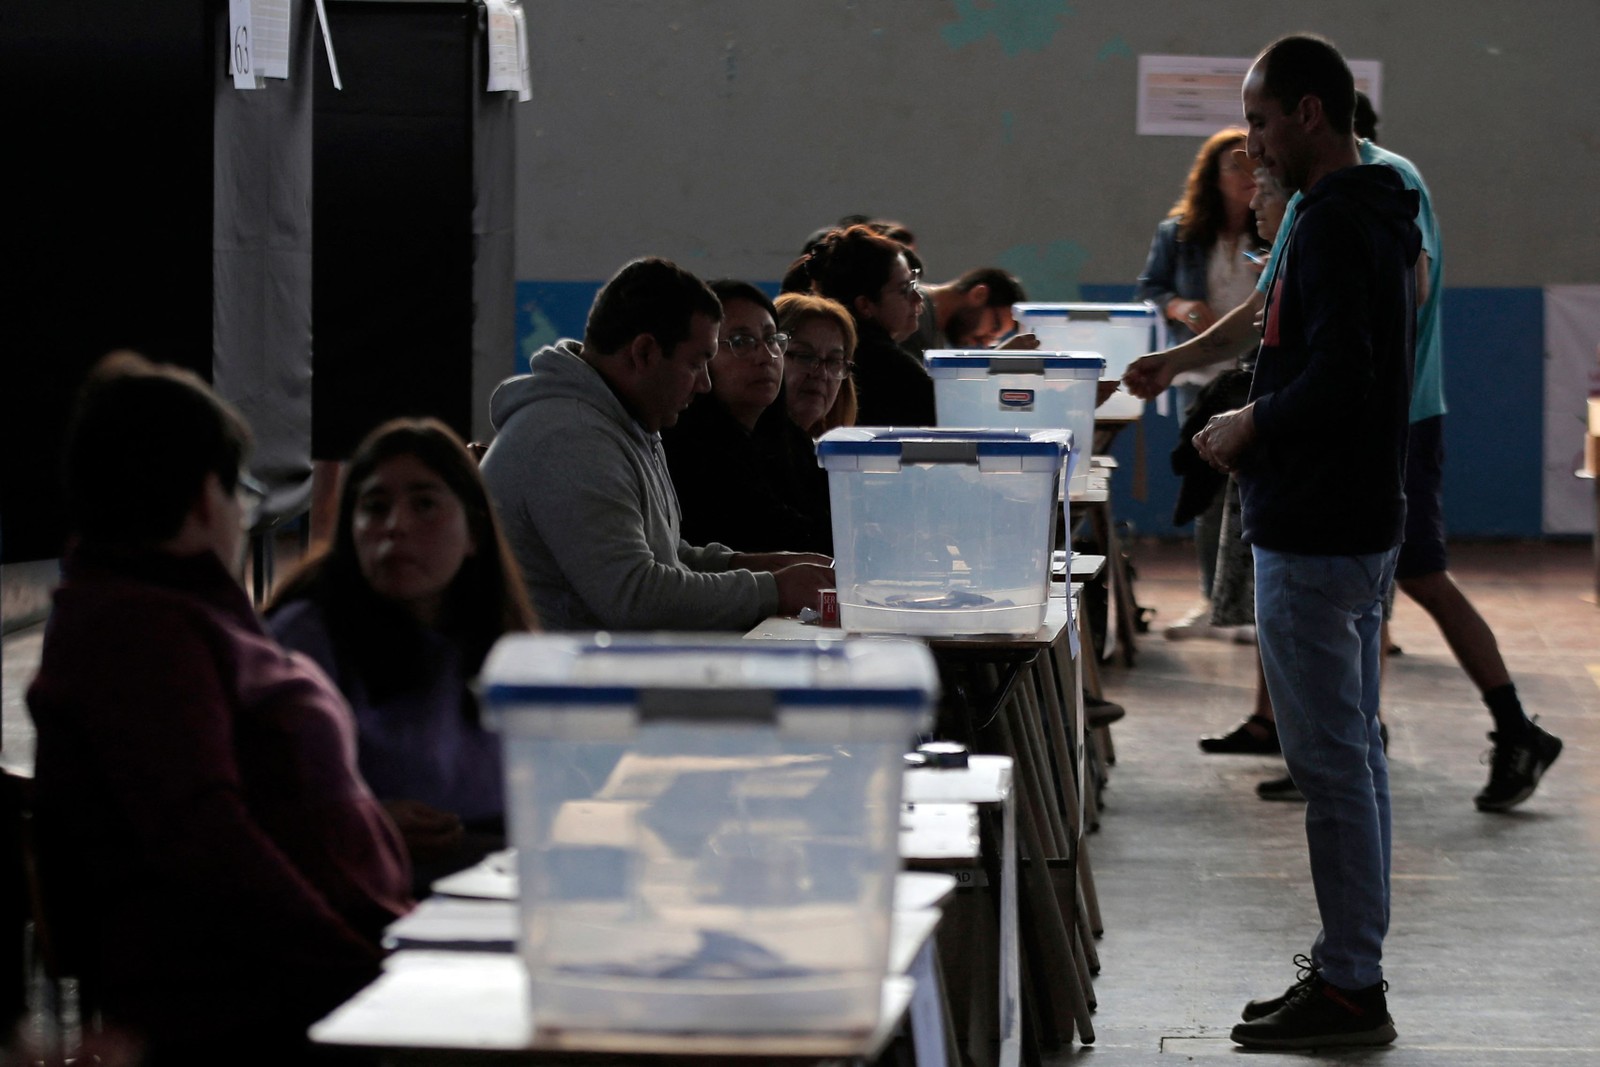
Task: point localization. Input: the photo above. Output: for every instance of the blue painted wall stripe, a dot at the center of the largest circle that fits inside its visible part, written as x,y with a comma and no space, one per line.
1494,383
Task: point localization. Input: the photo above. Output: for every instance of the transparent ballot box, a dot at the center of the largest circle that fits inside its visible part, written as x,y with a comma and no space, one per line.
1120,333
706,828
1018,390
943,531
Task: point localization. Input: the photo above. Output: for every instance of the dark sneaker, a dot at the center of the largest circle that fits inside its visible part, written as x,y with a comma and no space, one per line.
1279,789
1244,740
1515,767
1265,1006
1318,1015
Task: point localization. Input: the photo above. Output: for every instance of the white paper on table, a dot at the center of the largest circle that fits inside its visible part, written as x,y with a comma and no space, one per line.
241,46
269,37
504,53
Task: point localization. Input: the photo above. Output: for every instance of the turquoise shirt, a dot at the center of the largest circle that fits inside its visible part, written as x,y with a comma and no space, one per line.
1427,380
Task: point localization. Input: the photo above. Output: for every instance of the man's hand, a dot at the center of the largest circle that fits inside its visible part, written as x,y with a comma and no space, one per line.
1227,437
1024,342
1148,375
798,586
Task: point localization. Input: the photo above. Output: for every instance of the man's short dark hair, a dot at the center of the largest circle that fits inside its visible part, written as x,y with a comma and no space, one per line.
730,289
1004,288
1302,65
139,446
652,296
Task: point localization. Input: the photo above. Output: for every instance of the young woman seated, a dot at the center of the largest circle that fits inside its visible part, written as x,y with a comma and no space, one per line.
400,610
732,454
216,873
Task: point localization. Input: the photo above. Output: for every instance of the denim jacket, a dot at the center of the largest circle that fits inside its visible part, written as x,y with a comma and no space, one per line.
1175,267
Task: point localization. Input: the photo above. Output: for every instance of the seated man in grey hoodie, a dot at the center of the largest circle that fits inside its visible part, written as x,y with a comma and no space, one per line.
578,476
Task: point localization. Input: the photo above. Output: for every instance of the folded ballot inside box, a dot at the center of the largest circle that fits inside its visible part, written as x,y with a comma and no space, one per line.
943,531
706,828
1019,391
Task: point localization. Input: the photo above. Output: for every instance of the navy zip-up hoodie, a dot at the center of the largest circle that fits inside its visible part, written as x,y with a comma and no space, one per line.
1332,387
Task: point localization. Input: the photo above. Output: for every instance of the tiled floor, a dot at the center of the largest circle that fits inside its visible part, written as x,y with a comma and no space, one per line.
1495,938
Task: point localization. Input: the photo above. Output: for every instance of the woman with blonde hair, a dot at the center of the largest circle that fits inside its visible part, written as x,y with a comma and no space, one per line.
817,380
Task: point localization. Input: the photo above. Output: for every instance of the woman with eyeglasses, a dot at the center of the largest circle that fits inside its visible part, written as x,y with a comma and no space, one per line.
817,382
726,453
400,610
872,277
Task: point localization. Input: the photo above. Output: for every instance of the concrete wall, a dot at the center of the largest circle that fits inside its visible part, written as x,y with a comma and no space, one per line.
720,132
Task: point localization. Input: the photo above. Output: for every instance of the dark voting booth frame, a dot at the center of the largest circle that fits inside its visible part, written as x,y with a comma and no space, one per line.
327,258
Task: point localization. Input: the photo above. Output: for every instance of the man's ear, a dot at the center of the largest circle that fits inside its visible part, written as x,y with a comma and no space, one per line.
1310,109
639,349
978,295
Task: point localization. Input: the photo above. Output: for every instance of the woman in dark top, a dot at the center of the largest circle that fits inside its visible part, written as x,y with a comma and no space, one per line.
871,276
400,610
217,873
731,452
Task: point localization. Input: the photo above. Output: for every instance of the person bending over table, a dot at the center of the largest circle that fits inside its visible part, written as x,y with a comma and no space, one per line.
215,870
578,477
400,609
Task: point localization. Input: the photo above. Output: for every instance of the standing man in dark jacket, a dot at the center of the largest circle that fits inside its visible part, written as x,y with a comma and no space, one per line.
1319,452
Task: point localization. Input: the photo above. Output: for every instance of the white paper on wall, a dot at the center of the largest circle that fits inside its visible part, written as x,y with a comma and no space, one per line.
508,49
1195,96
502,46
241,46
269,23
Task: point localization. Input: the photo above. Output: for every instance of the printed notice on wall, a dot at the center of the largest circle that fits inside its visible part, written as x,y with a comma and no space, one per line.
241,47
508,49
1195,96
269,20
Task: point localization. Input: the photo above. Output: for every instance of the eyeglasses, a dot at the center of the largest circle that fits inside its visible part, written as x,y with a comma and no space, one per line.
746,347
250,494
832,369
909,289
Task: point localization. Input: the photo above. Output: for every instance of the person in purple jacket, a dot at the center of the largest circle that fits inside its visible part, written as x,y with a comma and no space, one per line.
400,610
214,869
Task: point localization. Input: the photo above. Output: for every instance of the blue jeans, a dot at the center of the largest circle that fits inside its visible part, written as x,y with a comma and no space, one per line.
1317,622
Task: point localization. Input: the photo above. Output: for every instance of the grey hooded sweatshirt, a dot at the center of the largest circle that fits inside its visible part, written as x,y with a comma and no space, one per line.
591,515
